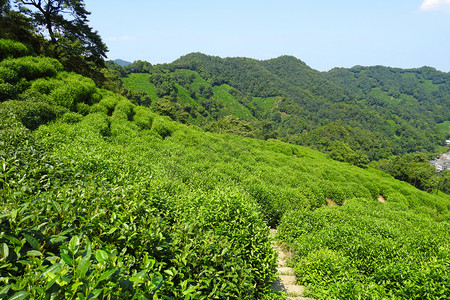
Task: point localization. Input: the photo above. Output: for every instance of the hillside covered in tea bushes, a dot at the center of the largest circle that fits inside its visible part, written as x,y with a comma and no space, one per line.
106,199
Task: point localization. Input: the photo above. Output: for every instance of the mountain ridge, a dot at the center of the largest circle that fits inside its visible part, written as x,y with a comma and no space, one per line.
397,109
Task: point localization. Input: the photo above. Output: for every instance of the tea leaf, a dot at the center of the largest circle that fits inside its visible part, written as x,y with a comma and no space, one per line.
32,241
67,259
101,256
34,253
19,295
107,274
74,244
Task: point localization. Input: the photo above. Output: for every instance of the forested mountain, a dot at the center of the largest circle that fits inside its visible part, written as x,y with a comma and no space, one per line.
375,112
122,62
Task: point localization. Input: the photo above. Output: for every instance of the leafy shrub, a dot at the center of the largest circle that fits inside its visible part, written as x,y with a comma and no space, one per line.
45,85
7,91
10,48
143,117
31,95
32,115
98,108
72,90
97,123
163,127
82,108
31,68
121,129
71,118
124,110
8,75
323,267
109,102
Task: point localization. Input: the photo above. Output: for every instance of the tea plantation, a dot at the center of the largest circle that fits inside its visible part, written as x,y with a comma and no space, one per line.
104,199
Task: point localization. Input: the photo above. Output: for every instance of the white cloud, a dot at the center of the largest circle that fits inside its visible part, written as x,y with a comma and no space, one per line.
121,38
434,4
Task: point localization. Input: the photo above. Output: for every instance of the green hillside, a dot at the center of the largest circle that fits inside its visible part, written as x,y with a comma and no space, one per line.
140,81
103,198
361,115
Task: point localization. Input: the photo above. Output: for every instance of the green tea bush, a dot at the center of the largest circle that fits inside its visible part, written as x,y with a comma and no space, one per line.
10,48
46,85
109,101
143,117
67,259
163,127
72,90
98,108
382,251
31,68
71,118
7,91
96,123
124,110
123,130
324,266
32,115
8,75
83,108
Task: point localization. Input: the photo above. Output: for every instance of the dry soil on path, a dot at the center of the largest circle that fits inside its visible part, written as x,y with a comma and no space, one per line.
286,280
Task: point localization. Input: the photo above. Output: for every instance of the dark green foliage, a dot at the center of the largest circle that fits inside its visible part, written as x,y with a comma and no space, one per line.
377,111
413,168
66,36
231,125
15,26
443,182
31,115
68,90
7,91
12,49
342,152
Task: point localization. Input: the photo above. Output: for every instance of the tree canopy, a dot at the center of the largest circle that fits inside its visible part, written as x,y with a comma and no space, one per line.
67,33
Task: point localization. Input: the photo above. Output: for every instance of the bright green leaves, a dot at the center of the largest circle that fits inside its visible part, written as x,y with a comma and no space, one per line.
367,248
67,259
101,256
19,296
32,67
74,244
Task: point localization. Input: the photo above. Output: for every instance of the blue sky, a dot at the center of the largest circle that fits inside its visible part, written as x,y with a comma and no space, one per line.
323,33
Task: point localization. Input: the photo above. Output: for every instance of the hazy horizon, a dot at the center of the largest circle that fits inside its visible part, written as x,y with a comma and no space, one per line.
323,34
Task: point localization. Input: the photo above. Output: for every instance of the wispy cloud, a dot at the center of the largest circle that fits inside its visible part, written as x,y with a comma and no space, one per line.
121,38
429,5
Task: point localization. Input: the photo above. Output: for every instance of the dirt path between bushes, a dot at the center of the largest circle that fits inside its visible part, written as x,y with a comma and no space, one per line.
286,280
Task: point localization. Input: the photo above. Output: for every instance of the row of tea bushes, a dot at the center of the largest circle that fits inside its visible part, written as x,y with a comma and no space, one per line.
369,250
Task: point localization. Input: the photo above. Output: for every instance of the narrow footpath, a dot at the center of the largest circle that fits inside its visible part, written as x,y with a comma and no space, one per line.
286,280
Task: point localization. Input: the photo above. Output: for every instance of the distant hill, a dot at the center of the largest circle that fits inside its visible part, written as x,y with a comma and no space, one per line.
375,112
122,63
